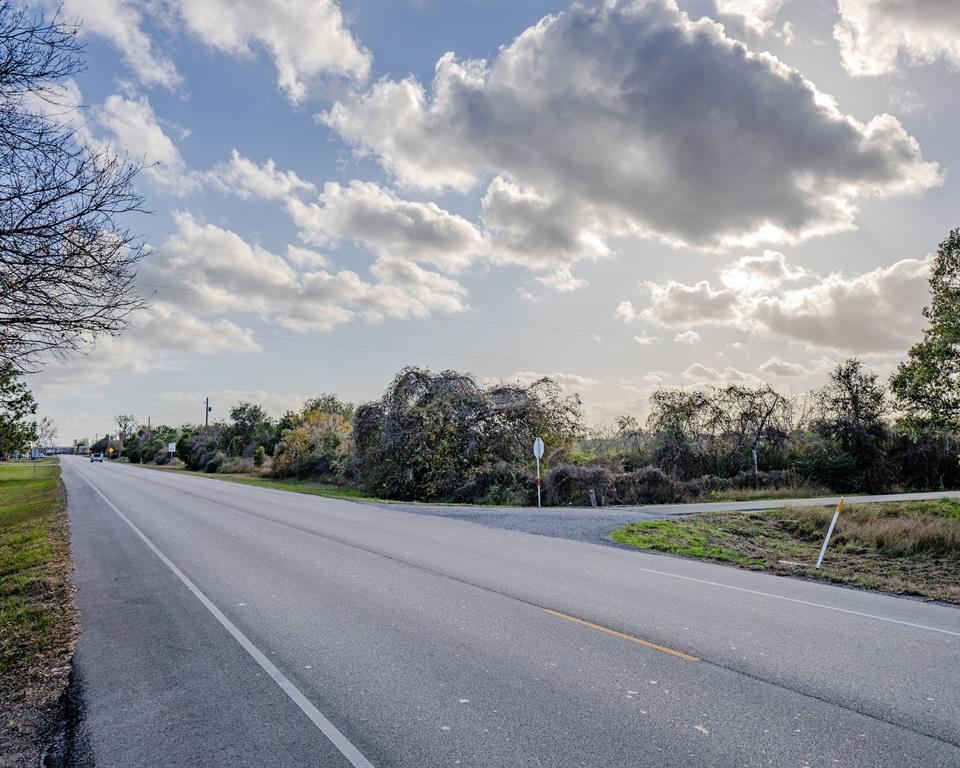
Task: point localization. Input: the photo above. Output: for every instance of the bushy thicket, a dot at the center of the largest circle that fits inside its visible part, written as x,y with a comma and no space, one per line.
445,437
571,484
435,436
150,445
841,438
314,443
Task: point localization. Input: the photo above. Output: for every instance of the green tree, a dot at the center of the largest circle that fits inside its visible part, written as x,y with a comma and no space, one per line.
927,385
679,421
17,405
431,432
249,427
852,410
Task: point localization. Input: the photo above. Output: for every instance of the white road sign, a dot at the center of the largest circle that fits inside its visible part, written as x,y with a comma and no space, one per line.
171,447
538,452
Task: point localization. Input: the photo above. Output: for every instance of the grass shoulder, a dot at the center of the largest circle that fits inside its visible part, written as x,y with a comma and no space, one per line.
281,484
908,548
768,494
312,487
37,614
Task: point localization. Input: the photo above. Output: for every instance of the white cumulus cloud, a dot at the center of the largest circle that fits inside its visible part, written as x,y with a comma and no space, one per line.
879,310
304,39
782,369
618,118
760,273
756,15
674,303
625,312
122,24
570,381
133,127
687,337
219,273
703,373
876,37
562,280
388,225
245,178
874,311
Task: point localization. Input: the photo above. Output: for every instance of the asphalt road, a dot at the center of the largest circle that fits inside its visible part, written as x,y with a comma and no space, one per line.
224,624
594,525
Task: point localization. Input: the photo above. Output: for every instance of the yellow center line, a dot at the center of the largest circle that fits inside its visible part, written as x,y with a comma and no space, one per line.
624,635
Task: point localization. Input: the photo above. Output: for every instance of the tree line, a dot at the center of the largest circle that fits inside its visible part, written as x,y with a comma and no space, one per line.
67,270
445,437
436,436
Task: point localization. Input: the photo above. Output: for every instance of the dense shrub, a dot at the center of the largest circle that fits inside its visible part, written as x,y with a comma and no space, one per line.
430,433
214,462
317,442
249,427
570,484
235,465
927,460
649,485
499,484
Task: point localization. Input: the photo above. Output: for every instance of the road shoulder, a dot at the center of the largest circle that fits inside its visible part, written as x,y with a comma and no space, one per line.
37,613
156,669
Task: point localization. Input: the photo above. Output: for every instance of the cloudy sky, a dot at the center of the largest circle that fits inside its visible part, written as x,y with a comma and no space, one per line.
620,195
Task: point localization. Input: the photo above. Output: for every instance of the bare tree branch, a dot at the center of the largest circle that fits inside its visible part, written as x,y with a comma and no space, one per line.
67,265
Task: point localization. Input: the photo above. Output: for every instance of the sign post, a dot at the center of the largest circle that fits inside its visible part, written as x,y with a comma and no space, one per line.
826,541
110,451
538,452
171,448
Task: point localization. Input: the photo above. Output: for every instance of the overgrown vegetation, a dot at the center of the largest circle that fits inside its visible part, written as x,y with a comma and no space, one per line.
443,436
446,437
908,548
37,618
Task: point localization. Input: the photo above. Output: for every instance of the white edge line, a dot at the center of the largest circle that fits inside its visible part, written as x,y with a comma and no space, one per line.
801,602
333,734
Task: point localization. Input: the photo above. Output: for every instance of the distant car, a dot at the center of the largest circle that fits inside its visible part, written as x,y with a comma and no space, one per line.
96,457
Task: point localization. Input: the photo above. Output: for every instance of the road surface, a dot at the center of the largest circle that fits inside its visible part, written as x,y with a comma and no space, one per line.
594,525
228,625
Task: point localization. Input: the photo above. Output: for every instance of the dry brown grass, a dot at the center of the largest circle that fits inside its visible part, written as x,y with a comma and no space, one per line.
906,548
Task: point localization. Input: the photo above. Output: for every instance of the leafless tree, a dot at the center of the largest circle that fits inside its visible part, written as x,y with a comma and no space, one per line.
46,433
747,416
125,424
67,264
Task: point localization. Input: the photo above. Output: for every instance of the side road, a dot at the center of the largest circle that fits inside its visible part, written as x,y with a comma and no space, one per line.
594,525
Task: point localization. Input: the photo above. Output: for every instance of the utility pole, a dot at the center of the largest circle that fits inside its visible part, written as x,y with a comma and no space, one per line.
206,413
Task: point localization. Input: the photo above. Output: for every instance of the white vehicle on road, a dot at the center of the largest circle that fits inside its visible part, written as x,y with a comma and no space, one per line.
96,457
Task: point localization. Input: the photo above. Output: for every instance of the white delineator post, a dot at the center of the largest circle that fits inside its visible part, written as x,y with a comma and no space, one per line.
538,452
823,549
